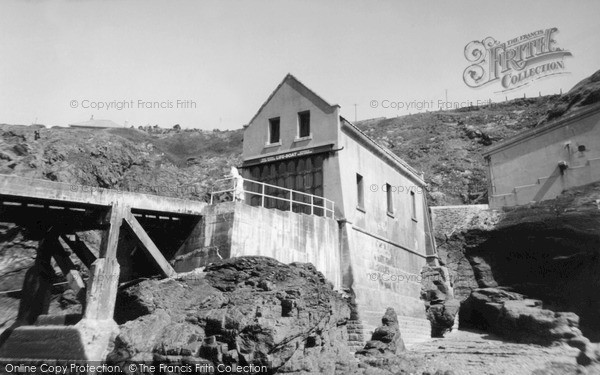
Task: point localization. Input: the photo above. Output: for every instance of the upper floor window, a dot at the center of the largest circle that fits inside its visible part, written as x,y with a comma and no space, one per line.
413,205
304,124
274,135
360,192
390,199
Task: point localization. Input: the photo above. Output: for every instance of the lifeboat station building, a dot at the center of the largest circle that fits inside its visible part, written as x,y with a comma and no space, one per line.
314,188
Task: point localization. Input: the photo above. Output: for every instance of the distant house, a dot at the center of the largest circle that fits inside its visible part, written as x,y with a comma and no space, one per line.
95,124
540,163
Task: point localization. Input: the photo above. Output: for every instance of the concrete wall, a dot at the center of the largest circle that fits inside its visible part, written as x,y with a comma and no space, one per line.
209,241
526,169
288,237
384,275
235,229
382,254
399,227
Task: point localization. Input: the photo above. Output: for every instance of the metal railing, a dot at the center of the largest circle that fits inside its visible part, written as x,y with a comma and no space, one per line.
260,194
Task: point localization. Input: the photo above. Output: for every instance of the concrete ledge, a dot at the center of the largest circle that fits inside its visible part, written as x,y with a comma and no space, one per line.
88,340
58,320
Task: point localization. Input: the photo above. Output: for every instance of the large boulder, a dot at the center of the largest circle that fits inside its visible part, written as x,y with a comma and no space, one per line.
386,339
442,316
515,317
440,305
240,311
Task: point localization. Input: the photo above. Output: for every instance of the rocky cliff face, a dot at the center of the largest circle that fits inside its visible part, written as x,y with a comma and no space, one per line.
535,262
177,164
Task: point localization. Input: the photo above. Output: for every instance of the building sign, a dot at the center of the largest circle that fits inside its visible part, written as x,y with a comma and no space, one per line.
288,155
516,62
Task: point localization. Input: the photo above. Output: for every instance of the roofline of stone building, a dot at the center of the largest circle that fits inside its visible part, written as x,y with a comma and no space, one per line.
382,152
531,133
315,98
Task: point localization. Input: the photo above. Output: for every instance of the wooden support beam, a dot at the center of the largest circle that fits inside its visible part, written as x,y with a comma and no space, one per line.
110,237
104,280
67,267
37,287
80,249
102,289
149,245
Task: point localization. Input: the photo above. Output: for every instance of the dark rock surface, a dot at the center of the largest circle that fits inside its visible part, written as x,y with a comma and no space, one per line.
585,93
18,249
589,354
515,317
548,251
440,304
249,310
386,339
442,317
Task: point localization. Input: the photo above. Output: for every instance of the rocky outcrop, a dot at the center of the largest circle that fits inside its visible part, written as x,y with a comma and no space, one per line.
440,305
585,93
443,317
124,159
546,251
589,354
386,339
453,228
512,316
245,311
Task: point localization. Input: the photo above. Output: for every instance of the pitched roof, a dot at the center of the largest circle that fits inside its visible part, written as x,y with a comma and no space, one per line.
100,124
302,89
527,134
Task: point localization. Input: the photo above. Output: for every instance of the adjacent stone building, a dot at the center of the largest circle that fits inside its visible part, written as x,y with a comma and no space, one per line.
540,163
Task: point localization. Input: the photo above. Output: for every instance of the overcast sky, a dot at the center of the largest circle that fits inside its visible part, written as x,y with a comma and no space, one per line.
226,57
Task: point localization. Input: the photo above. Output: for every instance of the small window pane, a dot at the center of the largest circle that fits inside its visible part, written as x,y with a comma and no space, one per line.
274,130
360,191
413,205
304,124
390,199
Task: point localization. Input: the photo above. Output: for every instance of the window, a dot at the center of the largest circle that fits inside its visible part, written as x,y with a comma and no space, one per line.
360,192
413,206
304,124
390,199
274,130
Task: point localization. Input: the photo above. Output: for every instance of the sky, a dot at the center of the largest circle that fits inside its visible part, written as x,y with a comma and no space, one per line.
211,64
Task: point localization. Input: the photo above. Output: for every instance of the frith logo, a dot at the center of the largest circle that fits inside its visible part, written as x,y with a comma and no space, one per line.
514,63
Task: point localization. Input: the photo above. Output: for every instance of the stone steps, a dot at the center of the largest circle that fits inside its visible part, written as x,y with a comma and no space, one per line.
356,335
414,330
